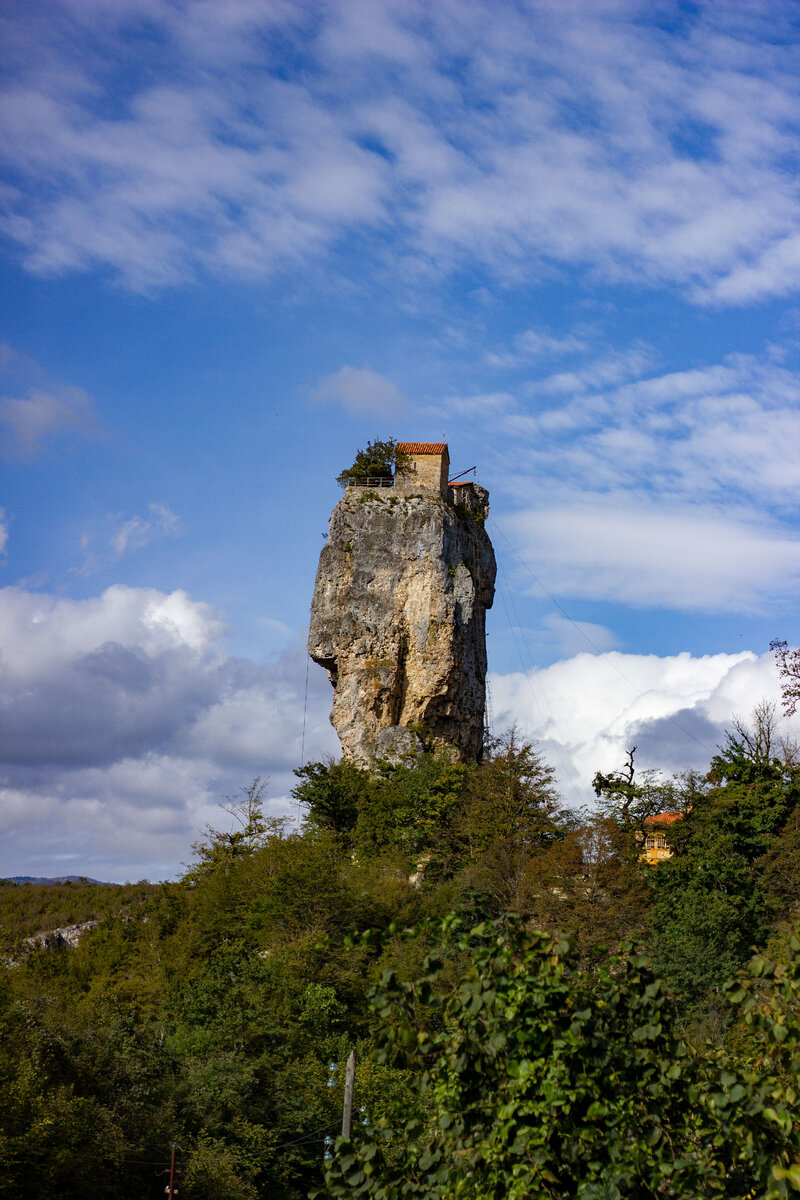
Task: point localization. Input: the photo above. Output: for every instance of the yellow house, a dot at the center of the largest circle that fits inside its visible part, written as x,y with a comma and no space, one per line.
655,847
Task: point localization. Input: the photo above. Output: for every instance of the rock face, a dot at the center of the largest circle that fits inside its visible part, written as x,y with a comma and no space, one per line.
398,619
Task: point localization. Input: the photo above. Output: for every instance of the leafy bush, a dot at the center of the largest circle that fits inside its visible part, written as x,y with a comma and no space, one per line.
534,1079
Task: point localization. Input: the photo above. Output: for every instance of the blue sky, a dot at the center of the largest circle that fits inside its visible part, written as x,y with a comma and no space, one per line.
240,239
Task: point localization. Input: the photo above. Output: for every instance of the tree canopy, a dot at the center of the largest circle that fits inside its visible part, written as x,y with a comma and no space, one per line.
379,460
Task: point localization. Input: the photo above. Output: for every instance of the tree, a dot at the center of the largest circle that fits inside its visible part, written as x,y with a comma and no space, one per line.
536,1080
331,792
630,801
789,670
400,809
511,817
379,460
222,847
513,798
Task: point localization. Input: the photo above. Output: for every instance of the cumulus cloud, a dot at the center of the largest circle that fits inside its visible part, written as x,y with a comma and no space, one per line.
360,390
125,720
435,134
586,712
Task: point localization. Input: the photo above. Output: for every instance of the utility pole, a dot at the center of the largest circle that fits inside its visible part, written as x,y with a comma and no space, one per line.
349,1083
170,1190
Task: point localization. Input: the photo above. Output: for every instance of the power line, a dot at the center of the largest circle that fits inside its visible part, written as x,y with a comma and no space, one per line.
308,1136
164,1162
305,711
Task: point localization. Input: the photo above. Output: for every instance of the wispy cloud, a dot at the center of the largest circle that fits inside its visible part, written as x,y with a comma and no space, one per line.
675,490
124,535
360,390
575,135
42,413
686,557
720,432
137,531
535,344
27,423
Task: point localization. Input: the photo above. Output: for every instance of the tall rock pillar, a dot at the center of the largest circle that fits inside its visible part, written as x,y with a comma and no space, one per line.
398,615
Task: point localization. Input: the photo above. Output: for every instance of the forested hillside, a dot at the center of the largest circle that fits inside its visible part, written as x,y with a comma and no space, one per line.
217,1012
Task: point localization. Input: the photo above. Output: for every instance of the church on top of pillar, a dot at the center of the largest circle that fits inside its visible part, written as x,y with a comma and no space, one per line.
425,468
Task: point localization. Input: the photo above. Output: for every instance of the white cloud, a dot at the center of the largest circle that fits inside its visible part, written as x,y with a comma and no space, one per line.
3,532
27,422
610,371
137,531
588,711
444,133
126,720
677,490
659,556
120,535
360,390
533,344
41,411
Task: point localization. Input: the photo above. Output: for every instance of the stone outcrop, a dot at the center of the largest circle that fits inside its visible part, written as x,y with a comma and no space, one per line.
67,935
398,619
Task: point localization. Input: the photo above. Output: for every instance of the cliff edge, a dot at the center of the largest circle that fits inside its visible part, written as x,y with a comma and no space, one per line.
398,619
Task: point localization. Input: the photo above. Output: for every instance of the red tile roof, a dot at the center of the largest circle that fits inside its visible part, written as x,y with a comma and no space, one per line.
422,447
663,818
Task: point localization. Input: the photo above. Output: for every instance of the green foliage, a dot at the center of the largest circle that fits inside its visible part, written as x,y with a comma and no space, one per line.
534,1079
513,798
401,809
711,902
379,460
218,1011
332,793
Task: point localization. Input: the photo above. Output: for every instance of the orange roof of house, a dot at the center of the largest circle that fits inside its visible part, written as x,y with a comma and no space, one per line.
460,483
422,447
663,818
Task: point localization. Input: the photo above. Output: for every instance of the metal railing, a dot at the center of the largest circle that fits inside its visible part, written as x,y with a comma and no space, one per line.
379,481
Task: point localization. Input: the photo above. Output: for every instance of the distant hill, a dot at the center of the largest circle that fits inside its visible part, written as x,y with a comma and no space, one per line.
55,879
